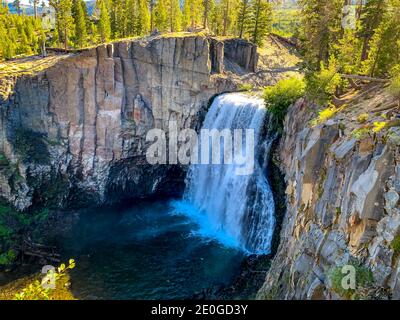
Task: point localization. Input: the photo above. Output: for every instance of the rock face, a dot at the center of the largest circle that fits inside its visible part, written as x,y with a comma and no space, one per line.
342,209
74,134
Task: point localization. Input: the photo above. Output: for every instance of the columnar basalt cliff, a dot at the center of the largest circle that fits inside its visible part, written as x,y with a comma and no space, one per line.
342,203
74,134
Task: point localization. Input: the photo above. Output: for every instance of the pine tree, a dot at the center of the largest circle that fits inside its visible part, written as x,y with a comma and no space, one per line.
152,4
118,18
160,16
142,18
175,15
206,8
385,44
227,8
104,21
192,13
244,16
320,29
64,20
371,17
79,16
186,17
130,13
261,20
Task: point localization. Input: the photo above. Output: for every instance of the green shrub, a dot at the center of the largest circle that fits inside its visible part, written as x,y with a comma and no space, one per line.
280,96
395,244
12,225
3,160
322,85
364,278
7,258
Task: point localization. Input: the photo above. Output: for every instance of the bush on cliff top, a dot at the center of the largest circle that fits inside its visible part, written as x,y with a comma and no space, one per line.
322,85
279,97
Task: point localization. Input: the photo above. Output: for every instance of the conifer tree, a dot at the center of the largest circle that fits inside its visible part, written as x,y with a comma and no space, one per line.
192,13
142,18
118,18
175,15
152,3
130,12
385,44
64,20
160,16
186,17
320,29
225,9
79,16
371,17
206,9
261,19
104,21
244,16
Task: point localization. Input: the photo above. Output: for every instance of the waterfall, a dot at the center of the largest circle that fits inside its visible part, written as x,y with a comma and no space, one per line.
238,207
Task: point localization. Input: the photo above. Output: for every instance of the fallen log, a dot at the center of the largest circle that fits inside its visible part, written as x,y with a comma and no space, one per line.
363,78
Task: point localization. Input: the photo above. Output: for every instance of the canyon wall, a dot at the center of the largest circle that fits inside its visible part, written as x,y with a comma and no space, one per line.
74,133
342,204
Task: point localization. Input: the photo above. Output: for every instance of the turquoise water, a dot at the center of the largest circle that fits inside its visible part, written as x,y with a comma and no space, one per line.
153,250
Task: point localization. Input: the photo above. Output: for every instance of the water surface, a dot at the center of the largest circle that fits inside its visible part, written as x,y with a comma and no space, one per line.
152,250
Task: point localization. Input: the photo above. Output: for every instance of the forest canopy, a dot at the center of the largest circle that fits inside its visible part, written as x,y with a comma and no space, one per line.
351,37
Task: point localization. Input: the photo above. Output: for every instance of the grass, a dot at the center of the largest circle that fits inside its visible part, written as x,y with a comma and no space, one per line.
183,34
29,65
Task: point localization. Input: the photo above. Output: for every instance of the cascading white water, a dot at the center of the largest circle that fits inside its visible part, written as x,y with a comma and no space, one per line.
239,206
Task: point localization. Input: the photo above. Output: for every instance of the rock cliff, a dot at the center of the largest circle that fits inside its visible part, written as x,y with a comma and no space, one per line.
74,133
343,186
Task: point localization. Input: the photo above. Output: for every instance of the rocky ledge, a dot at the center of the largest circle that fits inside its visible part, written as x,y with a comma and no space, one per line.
73,134
343,186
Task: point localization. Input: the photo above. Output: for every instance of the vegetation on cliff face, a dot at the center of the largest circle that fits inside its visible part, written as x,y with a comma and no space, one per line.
15,228
279,97
363,280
